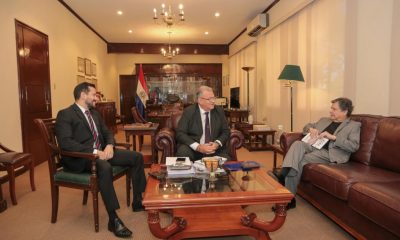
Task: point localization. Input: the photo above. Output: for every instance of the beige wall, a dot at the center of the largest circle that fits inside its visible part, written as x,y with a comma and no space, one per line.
68,39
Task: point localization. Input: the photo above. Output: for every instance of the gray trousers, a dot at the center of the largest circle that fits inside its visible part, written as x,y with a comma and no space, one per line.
300,154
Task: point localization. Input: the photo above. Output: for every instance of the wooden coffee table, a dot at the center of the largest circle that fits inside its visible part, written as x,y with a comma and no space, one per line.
199,210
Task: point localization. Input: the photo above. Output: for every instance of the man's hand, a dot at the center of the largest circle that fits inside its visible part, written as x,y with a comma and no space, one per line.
107,153
328,136
208,148
313,132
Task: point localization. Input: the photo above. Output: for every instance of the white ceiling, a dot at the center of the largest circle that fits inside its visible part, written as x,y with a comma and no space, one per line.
138,16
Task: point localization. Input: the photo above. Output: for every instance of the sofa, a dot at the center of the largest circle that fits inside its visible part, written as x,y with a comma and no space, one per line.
362,195
166,143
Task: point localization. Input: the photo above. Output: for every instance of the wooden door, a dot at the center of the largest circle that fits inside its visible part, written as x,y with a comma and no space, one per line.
34,85
127,86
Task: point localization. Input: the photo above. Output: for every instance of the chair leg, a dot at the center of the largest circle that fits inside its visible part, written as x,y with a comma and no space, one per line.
95,210
128,189
85,197
54,203
11,179
32,175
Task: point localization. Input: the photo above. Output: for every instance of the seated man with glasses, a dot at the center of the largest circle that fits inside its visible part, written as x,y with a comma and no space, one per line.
203,130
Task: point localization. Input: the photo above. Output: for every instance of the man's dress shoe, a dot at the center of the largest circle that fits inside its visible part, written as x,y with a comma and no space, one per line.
137,206
118,228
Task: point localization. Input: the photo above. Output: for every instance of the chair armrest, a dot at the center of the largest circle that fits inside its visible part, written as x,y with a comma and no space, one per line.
5,149
235,142
287,139
127,146
165,142
92,157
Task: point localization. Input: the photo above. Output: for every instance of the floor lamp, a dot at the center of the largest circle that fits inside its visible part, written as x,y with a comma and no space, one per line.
291,73
248,69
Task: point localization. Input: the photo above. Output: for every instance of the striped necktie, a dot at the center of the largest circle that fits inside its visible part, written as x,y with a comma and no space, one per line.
93,130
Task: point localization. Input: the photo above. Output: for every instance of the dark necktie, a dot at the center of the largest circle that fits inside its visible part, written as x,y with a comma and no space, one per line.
93,130
207,132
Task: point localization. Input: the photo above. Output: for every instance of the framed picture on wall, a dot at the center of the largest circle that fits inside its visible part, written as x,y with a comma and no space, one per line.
94,71
80,79
81,65
88,67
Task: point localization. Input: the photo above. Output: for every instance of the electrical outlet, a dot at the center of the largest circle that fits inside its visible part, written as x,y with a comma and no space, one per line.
280,127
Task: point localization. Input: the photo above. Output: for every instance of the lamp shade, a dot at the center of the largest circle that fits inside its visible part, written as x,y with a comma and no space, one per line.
291,72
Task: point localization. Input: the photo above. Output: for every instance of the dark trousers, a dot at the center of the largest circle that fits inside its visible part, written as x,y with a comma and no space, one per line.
123,158
186,151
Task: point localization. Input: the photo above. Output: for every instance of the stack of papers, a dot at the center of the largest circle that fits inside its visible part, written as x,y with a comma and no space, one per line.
170,161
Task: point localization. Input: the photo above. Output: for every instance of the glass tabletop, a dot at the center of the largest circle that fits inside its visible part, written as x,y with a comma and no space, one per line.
233,181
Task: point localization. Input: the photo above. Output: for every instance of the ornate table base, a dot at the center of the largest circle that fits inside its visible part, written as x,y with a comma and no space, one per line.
215,221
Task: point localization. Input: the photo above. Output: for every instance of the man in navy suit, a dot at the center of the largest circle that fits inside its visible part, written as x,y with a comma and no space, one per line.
80,128
203,130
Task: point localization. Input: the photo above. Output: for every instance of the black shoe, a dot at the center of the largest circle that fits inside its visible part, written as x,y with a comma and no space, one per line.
290,205
118,228
278,174
137,206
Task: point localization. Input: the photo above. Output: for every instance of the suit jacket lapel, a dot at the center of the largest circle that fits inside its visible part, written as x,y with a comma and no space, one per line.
341,126
197,120
213,119
79,113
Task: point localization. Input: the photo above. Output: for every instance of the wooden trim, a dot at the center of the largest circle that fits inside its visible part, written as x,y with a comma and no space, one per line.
155,48
271,6
237,36
81,19
244,30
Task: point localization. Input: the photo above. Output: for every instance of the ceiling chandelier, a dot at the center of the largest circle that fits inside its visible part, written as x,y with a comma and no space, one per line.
168,16
169,52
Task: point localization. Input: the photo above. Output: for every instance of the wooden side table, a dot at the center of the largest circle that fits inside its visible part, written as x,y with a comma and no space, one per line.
137,129
257,139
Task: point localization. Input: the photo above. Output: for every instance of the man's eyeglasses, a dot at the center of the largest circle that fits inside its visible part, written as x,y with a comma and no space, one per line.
211,99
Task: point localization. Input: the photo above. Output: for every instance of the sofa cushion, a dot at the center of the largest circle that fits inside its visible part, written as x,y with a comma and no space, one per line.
369,126
386,149
337,179
379,202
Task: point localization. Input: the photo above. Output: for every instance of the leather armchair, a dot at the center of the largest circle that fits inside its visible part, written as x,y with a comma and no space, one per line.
166,143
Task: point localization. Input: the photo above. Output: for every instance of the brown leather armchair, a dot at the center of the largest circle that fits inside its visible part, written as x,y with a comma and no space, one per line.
166,143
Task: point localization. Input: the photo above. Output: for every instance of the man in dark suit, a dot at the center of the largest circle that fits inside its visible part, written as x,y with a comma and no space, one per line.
203,130
79,128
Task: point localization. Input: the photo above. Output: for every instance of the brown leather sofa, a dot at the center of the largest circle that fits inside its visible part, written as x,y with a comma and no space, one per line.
166,143
362,195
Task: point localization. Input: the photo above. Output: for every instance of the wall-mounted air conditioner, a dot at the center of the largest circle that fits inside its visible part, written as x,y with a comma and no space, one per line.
259,23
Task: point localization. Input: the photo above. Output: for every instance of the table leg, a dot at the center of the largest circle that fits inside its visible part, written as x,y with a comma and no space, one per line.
153,220
251,220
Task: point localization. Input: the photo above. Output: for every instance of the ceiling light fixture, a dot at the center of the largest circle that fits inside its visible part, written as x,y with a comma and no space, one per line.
129,31
169,53
119,12
217,14
206,33
168,16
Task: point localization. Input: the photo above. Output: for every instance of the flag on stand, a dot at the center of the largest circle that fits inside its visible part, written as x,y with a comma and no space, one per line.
142,93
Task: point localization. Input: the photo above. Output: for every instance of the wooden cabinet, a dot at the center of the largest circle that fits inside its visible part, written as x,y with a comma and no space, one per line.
108,112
